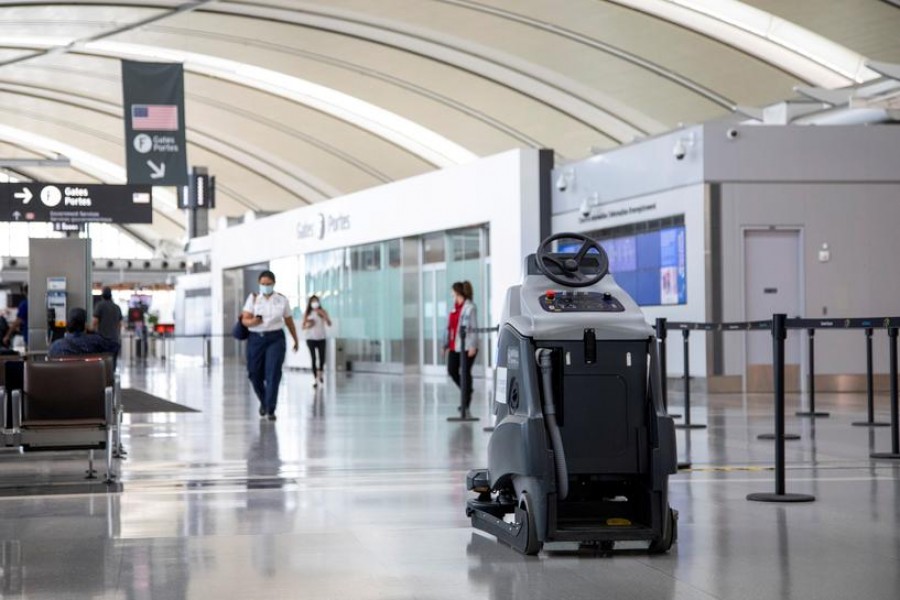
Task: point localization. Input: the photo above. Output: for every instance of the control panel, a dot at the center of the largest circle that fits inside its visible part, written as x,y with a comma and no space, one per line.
554,301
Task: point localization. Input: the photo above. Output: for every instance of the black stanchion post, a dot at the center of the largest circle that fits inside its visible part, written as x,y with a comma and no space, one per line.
811,336
464,383
870,387
662,332
895,410
685,334
779,334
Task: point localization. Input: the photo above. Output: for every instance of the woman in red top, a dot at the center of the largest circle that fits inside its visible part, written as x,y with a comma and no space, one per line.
464,313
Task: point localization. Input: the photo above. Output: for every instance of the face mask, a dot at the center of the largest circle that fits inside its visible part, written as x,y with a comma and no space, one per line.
266,290
314,305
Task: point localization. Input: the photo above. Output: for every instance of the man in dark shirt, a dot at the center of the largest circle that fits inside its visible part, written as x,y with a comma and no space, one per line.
108,317
76,341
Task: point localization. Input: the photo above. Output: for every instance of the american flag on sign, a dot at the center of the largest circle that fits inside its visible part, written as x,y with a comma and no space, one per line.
154,117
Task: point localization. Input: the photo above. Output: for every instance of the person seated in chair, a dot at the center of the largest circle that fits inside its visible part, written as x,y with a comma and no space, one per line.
77,341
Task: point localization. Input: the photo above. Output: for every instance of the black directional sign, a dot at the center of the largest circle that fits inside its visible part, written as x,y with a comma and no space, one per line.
75,204
154,123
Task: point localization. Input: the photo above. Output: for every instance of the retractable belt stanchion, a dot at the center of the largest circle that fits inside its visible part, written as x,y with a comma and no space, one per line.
780,435
464,396
870,387
779,333
895,417
685,333
811,333
661,335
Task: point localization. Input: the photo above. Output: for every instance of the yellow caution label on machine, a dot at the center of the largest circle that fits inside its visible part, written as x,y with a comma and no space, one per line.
616,522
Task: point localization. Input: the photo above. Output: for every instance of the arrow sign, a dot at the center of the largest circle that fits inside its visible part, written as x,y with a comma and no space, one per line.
76,203
156,171
25,195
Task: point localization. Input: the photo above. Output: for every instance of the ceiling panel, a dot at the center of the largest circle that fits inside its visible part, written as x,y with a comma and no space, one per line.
487,75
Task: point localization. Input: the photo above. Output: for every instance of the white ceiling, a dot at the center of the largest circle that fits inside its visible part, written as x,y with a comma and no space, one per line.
292,102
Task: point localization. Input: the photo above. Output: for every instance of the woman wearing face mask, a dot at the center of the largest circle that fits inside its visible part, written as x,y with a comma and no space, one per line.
265,314
464,314
314,321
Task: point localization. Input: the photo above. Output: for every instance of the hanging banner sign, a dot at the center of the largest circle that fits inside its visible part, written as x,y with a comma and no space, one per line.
155,149
73,204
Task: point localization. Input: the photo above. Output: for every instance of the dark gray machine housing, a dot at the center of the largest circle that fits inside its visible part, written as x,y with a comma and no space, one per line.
617,443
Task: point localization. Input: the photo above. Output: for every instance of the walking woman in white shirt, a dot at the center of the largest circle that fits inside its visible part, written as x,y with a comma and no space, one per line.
266,314
314,321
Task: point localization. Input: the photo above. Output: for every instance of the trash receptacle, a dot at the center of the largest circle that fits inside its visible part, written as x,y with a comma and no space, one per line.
339,360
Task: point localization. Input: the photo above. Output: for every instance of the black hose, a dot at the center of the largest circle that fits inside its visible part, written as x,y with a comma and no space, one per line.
545,362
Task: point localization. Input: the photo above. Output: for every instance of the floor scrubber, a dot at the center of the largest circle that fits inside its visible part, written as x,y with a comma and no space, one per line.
582,448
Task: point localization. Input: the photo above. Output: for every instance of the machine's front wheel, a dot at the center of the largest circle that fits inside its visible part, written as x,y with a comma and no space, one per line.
662,544
532,545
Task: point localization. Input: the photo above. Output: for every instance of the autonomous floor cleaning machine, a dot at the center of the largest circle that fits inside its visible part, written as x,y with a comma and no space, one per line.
582,448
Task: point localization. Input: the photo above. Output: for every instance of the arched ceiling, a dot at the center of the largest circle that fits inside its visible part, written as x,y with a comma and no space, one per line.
292,102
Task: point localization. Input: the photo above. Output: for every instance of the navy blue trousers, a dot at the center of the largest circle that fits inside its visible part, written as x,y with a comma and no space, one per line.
265,356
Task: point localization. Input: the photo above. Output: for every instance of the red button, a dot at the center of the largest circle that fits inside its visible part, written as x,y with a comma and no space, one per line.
551,294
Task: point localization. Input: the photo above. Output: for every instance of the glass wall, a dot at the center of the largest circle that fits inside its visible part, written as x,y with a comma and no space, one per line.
361,287
448,257
390,300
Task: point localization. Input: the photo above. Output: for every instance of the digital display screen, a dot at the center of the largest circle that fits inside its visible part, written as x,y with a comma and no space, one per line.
651,266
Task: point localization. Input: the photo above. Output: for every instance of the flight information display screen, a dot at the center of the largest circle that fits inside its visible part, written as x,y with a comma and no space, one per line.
650,263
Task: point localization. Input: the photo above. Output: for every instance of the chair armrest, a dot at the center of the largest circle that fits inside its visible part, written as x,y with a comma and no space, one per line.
117,391
110,407
16,410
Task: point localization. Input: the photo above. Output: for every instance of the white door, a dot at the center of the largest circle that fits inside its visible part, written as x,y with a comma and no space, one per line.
435,307
772,284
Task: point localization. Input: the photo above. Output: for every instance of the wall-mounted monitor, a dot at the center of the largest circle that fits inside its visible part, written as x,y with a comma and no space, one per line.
648,259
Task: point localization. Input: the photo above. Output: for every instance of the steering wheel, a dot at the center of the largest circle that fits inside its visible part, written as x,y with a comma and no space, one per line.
571,267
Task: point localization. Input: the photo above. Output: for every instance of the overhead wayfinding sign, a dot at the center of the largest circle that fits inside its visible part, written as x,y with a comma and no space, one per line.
155,150
73,204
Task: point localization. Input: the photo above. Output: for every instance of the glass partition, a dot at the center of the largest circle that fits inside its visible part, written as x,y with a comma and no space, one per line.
390,300
361,288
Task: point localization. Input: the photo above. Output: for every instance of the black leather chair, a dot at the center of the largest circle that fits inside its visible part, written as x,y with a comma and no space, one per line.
65,405
112,380
12,364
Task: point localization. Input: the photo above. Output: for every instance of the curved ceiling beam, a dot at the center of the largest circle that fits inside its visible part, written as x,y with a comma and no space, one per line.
592,42
414,138
788,46
600,112
306,187
365,71
321,145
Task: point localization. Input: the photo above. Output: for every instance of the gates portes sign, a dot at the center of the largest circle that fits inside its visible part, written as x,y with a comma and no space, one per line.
70,205
155,150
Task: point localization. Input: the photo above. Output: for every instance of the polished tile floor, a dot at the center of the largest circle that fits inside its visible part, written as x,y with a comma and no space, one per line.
357,492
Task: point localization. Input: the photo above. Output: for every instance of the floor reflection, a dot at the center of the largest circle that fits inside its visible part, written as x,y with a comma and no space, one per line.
357,492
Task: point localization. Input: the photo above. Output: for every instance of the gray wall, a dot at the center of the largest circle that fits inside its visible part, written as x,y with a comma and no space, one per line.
859,223
65,257
829,153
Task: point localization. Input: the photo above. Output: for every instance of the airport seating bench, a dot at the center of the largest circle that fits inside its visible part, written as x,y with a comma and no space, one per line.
63,405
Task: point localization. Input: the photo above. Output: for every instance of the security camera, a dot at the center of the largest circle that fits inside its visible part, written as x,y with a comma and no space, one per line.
679,151
731,133
565,180
585,208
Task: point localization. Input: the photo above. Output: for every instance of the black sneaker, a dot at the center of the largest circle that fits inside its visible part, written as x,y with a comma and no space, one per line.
272,417
262,411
